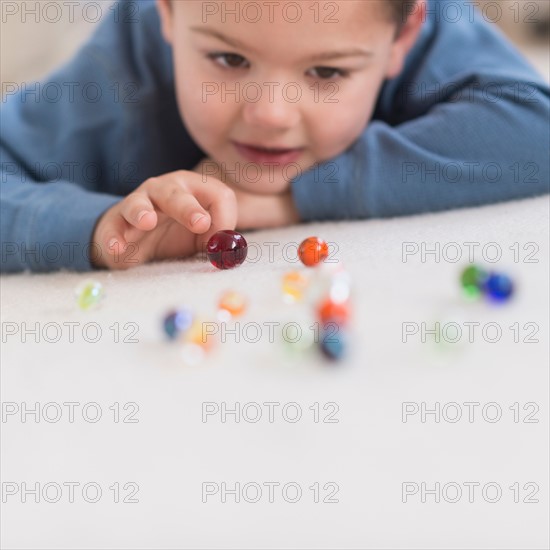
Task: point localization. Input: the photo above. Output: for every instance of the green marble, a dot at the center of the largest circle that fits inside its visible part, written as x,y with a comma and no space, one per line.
473,280
88,294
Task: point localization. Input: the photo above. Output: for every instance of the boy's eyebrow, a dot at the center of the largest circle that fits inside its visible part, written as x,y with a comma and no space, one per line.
354,52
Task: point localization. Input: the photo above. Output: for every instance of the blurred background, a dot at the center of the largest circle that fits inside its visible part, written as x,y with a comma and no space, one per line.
31,46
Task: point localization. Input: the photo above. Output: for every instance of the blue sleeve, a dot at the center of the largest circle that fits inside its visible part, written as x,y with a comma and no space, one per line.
69,144
466,124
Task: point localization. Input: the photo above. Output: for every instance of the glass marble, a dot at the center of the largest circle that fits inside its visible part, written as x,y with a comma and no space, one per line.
473,280
226,249
294,286
233,302
298,336
328,279
89,293
201,333
177,322
296,331
335,312
313,251
448,328
340,287
333,344
499,287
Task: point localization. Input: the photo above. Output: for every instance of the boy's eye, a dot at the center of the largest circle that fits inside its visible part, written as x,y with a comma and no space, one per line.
328,73
231,60
235,61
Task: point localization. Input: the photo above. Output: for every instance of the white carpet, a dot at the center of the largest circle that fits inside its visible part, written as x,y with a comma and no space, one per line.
369,453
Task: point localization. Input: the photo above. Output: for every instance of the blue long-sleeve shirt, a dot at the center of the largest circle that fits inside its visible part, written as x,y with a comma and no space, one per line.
466,123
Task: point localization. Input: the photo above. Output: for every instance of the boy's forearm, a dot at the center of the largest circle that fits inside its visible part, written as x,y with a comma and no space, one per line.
46,227
462,155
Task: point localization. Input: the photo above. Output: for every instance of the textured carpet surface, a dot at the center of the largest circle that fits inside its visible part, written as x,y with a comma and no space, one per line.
361,435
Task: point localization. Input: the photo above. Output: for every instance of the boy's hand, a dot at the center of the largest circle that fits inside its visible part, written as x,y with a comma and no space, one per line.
264,211
255,211
169,216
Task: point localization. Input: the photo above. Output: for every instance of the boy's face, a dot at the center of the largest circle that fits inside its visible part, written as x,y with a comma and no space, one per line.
266,85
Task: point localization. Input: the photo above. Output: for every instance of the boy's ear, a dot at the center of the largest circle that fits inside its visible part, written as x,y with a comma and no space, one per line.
406,39
164,8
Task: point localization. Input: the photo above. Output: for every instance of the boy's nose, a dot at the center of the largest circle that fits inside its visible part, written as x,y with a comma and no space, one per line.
277,108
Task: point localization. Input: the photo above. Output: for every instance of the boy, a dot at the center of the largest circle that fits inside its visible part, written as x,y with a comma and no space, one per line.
222,115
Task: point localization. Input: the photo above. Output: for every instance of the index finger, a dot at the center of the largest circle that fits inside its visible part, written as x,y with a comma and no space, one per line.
213,195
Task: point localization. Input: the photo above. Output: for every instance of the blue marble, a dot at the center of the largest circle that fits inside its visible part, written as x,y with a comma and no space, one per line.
177,322
499,287
333,344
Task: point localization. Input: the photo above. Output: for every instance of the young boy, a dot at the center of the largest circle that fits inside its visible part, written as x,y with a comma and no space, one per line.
181,118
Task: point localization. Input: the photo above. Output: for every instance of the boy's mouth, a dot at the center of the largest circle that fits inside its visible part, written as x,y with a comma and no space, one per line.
257,153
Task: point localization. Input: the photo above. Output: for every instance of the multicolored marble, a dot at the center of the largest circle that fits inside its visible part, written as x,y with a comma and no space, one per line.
233,302
177,322
201,333
294,286
192,354
89,293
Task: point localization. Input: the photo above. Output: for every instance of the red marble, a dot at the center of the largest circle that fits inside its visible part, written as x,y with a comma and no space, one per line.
226,249
313,251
